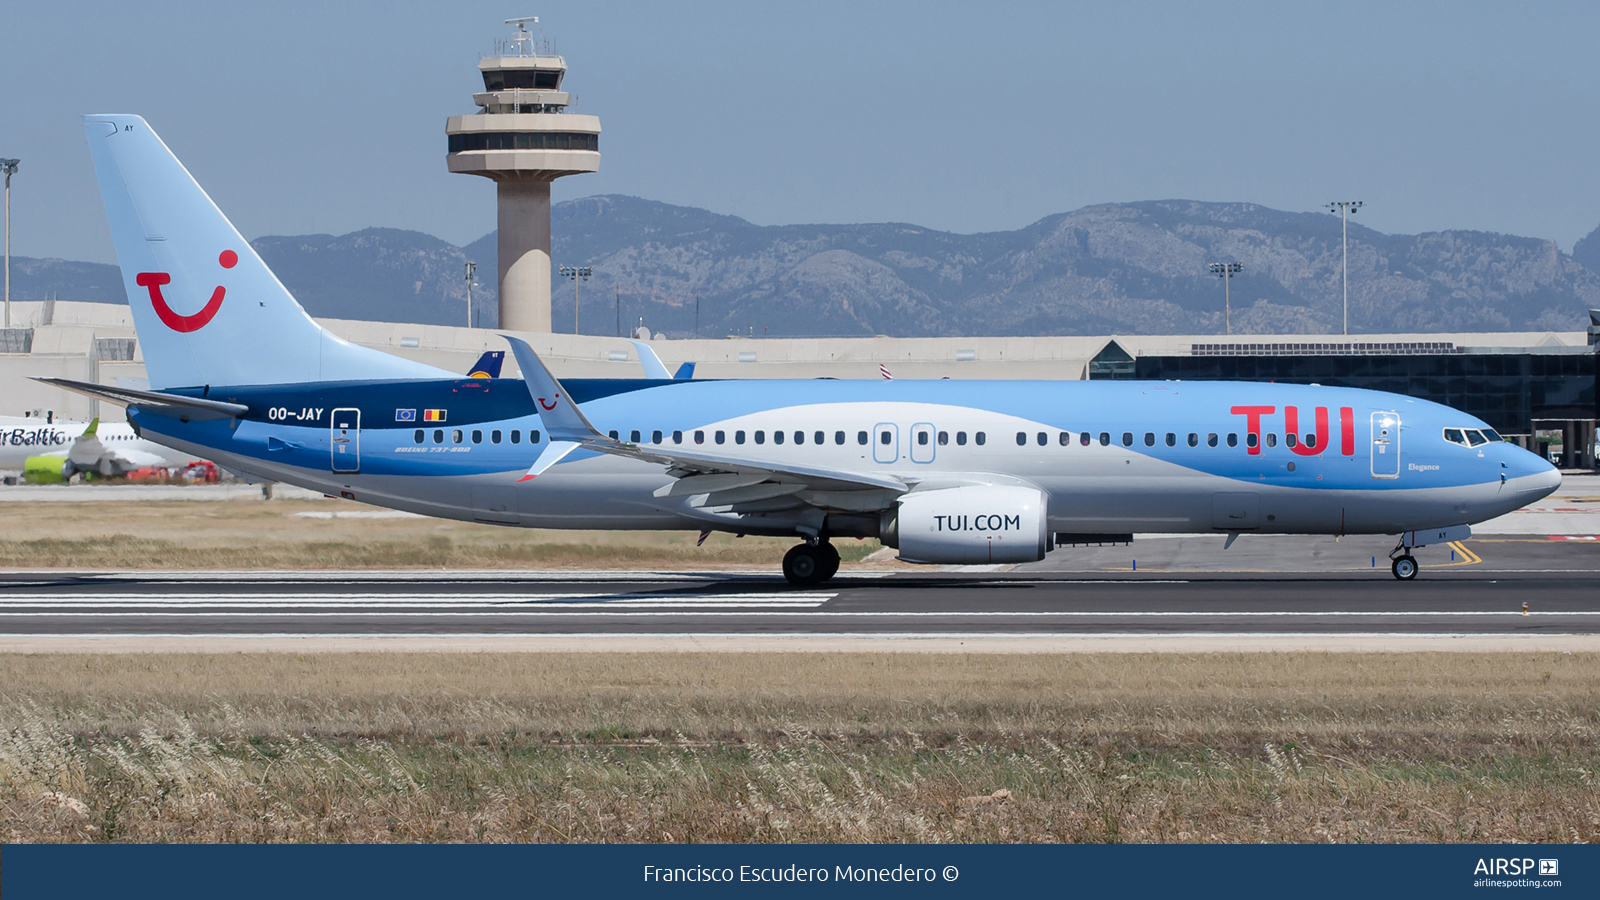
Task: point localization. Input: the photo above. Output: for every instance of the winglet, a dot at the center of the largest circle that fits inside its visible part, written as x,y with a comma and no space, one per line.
685,372
94,426
563,421
653,367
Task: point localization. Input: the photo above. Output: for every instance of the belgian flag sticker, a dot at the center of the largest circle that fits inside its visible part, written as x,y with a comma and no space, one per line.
433,415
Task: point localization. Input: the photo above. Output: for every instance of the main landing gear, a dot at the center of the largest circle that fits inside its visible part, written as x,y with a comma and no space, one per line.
808,564
1402,563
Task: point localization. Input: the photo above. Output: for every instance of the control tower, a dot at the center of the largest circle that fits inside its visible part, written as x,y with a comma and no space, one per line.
523,138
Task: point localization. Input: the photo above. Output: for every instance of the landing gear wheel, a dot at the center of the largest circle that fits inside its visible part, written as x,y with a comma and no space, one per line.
804,565
830,560
1404,567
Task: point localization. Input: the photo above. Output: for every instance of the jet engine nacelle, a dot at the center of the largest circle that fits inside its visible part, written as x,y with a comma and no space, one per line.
972,525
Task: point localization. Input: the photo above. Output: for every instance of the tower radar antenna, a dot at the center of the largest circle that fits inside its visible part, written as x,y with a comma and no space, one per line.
522,40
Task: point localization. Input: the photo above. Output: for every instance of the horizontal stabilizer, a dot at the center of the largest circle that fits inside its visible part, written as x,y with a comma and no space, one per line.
158,402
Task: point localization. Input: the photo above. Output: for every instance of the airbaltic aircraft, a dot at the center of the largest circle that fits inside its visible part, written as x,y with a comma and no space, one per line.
944,471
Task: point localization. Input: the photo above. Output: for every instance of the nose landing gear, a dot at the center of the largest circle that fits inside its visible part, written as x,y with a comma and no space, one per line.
807,564
1404,567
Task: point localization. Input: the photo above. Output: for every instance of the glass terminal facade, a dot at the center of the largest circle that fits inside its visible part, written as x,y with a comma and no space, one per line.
1508,388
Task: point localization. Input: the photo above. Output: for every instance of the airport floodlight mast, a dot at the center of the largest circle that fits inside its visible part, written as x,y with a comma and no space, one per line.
1345,209
1226,271
9,166
472,269
576,272
522,138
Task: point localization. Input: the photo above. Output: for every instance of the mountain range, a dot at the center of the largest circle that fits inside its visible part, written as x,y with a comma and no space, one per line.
1136,268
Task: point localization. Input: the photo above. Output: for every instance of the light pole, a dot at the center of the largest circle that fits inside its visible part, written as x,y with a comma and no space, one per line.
576,272
1345,209
472,269
1226,271
9,166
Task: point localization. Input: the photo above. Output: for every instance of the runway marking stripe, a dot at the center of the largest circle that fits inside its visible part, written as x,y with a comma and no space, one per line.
816,614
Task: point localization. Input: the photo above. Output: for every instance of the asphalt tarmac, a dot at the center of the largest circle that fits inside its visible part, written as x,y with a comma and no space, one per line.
1159,586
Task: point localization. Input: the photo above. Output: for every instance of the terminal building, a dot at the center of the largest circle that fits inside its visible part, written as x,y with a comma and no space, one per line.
1534,387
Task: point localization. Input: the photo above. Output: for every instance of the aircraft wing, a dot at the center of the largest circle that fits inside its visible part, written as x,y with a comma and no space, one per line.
727,480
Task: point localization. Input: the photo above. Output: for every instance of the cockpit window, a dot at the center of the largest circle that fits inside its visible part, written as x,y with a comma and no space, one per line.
1492,435
1454,436
1475,437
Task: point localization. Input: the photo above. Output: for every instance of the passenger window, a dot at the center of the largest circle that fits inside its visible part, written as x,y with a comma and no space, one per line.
1272,439
1475,438
738,437
1105,438
700,437
761,437
1149,439
1250,440
820,438
516,436
721,437
1127,439
1065,438
1233,440
922,439
418,436
612,433
655,437
677,437
1172,439
438,435
800,437
777,437
1042,438
838,438
1211,439
861,438
1022,438
961,439
1289,439
885,437
1194,439
1085,439
533,437
494,436
1454,436
944,438
1310,441
979,438
455,436
633,436
477,436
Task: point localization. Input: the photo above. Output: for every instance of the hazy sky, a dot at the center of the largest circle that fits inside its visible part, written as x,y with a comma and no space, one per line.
329,117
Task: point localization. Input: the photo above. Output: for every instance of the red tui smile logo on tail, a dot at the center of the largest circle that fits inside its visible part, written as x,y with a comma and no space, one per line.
152,281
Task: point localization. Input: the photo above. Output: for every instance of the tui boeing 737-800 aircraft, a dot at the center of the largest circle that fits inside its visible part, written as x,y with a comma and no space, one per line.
944,471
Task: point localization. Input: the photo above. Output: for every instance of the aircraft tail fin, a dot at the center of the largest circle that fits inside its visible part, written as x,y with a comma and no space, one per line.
206,308
488,365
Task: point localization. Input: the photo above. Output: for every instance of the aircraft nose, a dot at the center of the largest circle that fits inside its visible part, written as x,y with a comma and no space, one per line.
1542,483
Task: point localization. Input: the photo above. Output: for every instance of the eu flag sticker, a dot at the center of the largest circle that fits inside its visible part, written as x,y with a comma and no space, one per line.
433,415
405,415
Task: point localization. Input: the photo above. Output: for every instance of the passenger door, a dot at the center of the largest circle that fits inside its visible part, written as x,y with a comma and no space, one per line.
1385,445
345,428
886,442
923,444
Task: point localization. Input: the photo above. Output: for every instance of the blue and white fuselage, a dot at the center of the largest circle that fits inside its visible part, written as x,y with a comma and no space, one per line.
948,471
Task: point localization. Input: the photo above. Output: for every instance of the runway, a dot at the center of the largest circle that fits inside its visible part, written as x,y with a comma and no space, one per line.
1083,593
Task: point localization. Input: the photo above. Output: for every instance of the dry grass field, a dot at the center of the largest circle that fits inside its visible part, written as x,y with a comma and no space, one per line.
339,534
800,747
